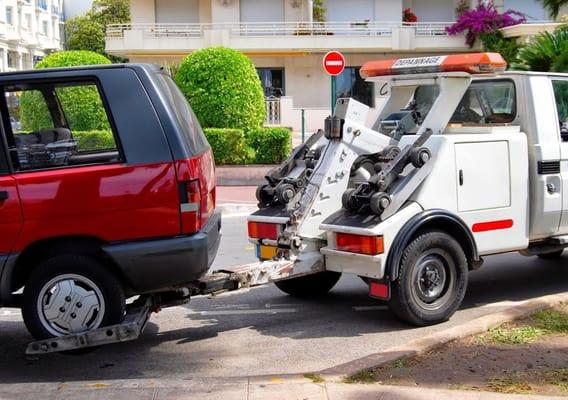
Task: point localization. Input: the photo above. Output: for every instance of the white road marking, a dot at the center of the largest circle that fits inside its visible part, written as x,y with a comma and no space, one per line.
244,312
369,308
268,305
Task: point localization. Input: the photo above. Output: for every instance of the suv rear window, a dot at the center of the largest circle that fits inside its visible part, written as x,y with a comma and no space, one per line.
186,119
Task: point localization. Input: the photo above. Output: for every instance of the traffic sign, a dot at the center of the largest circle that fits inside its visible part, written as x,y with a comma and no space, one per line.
334,63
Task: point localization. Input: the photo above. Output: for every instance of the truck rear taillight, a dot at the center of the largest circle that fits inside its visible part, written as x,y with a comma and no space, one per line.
370,245
190,206
261,230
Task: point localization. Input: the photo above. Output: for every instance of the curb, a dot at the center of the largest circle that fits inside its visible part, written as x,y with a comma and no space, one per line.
229,210
418,346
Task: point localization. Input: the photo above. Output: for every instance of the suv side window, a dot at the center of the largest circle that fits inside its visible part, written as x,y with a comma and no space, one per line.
561,96
58,125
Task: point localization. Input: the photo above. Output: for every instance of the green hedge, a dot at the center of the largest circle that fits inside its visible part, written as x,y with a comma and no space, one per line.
94,140
229,146
259,146
223,88
270,145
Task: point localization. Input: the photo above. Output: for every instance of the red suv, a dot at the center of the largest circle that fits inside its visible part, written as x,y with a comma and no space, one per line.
90,217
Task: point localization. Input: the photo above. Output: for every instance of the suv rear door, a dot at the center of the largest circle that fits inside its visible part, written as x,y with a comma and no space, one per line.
10,208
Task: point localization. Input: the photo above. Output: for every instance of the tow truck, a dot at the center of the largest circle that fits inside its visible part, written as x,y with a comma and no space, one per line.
464,160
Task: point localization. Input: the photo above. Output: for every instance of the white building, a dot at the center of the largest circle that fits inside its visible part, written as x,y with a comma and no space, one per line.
29,29
287,46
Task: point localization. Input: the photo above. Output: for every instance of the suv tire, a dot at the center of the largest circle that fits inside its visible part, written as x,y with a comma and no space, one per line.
315,285
70,294
552,256
432,280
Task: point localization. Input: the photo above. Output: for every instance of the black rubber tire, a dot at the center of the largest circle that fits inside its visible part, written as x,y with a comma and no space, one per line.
403,302
552,256
110,287
309,286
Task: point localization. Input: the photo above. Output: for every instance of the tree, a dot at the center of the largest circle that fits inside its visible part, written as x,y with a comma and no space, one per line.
110,11
223,88
82,104
546,52
87,32
83,33
554,6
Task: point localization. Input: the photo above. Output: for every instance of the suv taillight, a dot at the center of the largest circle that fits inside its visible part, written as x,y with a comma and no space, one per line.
196,191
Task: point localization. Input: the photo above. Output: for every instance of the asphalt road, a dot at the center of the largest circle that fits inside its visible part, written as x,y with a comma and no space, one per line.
266,332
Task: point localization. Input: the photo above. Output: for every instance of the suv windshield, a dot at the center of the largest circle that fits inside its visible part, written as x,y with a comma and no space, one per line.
184,115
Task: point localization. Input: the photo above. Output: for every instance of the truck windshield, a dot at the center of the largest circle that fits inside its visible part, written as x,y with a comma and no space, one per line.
186,119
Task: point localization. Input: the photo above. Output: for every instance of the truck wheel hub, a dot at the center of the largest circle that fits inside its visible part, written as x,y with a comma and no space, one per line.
70,304
431,278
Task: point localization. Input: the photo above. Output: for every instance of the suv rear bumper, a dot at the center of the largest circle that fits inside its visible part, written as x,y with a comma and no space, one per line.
161,264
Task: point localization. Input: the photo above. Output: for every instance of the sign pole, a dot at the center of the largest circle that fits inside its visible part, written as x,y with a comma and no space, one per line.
333,93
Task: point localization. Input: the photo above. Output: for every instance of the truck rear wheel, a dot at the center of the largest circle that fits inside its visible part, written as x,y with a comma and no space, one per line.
432,280
71,294
315,285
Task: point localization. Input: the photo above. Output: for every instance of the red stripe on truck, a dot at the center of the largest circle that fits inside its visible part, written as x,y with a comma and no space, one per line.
492,225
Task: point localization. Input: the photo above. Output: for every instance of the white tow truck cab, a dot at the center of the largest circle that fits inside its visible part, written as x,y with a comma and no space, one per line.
464,161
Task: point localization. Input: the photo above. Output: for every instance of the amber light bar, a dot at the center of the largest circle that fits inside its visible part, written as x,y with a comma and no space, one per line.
473,63
369,245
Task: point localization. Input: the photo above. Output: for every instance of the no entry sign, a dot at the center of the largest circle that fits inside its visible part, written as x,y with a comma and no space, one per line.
334,63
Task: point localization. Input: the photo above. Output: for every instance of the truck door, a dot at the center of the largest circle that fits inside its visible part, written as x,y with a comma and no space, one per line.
560,88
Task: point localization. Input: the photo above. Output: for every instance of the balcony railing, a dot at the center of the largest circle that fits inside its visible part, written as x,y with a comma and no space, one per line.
356,28
157,30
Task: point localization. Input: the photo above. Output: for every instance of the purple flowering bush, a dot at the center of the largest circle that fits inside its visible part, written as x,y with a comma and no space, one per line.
485,18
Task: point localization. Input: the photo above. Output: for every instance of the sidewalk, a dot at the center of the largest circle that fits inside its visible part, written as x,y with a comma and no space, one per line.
236,201
238,389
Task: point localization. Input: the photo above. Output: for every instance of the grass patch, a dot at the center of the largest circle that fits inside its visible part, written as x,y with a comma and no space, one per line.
552,320
558,378
509,385
401,363
513,336
315,378
363,376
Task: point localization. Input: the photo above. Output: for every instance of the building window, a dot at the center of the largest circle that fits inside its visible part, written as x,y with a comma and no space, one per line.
12,59
350,84
28,21
44,27
272,80
9,16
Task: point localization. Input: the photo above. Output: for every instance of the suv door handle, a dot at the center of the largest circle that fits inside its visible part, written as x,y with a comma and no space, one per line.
461,177
4,195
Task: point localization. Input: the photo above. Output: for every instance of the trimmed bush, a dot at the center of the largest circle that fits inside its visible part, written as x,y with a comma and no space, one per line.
270,145
228,145
82,105
223,88
94,140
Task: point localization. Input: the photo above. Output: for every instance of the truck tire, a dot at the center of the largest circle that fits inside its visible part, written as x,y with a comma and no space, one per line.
552,256
70,294
432,280
315,285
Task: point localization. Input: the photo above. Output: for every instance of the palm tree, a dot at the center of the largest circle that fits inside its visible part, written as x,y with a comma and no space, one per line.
546,52
553,6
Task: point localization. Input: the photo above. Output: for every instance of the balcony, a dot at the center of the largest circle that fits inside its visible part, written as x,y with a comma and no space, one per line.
282,37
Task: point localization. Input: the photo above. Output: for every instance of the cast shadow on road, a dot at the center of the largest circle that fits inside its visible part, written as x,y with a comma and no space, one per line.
508,278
